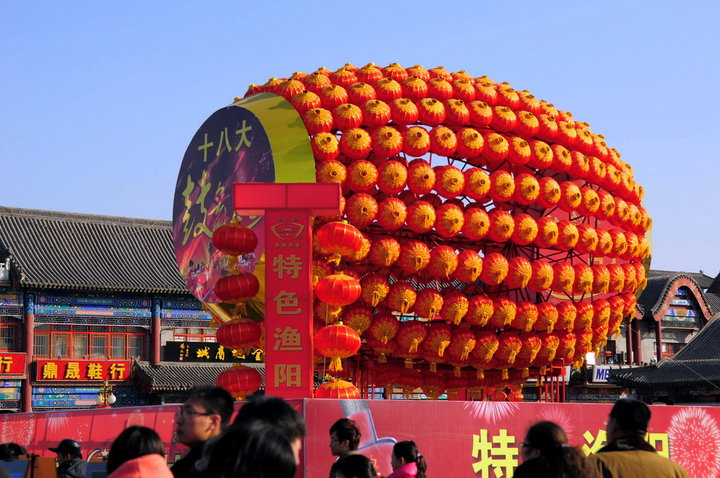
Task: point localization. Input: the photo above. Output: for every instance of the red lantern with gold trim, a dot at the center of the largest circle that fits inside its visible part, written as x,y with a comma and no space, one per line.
240,381
337,341
237,287
338,289
339,389
234,239
239,334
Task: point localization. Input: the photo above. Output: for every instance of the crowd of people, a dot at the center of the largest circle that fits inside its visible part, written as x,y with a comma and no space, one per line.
265,438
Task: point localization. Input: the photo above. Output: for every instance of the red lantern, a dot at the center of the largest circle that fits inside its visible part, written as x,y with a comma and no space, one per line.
384,327
337,341
339,239
337,388
237,287
338,289
361,209
234,239
469,266
519,273
428,304
411,334
504,311
476,223
480,309
449,220
239,334
402,297
374,289
495,269
384,252
443,262
240,381
358,317
542,276
443,141
403,111
421,176
414,256
462,343
455,306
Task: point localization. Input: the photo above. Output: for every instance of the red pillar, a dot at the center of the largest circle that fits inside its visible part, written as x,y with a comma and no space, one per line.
658,340
155,356
637,339
29,322
629,342
288,210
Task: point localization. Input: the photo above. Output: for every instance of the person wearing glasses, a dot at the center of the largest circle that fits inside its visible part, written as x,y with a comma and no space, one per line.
546,454
204,415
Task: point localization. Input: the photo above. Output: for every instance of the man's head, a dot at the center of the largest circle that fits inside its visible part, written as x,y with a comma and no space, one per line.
278,413
628,418
205,414
344,437
66,450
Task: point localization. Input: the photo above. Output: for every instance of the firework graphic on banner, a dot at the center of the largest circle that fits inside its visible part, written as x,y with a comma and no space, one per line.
695,442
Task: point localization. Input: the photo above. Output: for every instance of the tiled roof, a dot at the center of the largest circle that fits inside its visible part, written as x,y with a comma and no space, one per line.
659,285
59,250
700,278
713,301
697,364
174,376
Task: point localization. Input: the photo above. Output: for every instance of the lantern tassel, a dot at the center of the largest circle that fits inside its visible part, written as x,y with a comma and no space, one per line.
465,353
414,346
442,347
334,259
375,298
335,364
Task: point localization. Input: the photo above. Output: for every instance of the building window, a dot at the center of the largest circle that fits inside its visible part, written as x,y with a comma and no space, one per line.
84,342
194,334
9,335
670,349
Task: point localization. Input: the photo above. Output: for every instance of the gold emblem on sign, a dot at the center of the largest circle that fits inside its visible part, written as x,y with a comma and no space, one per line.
287,231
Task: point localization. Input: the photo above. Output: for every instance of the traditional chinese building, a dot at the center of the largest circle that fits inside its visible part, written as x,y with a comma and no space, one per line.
691,375
86,298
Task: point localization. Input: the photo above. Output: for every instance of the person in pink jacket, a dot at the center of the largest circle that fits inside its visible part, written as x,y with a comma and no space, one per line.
138,452
406,461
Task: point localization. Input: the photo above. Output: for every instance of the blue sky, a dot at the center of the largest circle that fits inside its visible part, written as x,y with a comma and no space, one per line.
99,100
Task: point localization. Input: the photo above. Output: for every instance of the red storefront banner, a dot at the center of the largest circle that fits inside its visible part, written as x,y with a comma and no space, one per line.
12,363
82,370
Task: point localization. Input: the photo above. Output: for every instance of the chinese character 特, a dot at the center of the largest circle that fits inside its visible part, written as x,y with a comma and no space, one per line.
286,303
287,339
496,454
288,375
289,266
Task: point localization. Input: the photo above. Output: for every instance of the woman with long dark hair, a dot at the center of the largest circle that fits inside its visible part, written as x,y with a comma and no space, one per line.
546,454
406,461
138,452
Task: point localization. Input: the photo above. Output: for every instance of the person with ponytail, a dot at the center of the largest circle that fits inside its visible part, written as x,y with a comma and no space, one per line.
406,461
546,454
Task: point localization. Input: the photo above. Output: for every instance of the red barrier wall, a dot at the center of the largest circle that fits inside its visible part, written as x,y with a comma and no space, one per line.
464,439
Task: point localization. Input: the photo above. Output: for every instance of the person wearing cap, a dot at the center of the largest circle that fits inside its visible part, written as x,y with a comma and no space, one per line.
627,454
69,459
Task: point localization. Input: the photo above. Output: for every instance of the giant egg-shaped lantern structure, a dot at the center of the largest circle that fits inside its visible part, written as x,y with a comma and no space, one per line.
543,220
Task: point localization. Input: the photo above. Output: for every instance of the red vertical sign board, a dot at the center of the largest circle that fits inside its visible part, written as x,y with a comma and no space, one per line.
288,304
